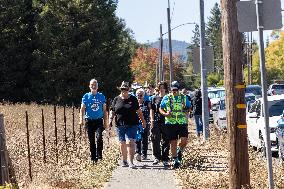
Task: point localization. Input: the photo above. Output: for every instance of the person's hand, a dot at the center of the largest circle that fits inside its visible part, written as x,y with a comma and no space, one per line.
81,122
168,114
143,125
110,123
152,124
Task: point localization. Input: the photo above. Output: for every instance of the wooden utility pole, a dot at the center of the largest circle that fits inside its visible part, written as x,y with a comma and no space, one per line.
235,92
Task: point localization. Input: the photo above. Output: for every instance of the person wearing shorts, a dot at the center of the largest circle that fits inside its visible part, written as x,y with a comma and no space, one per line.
125,109
174,107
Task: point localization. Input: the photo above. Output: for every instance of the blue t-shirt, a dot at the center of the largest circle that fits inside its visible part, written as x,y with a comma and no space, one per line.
166,99
94,105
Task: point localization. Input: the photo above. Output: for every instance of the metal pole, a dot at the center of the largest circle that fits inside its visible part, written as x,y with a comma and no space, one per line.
161,54
205,109
43,136
251,40
170,46
259,14
28,146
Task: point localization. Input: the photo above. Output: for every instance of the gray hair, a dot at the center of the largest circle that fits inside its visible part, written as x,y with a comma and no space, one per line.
140,90
94,80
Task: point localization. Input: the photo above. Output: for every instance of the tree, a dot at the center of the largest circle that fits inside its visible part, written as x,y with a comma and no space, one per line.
214,37
144,63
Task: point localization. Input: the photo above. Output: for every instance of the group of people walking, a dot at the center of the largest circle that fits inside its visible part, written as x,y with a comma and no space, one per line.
162,115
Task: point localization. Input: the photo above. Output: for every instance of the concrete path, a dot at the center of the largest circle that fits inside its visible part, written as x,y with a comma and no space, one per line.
145,176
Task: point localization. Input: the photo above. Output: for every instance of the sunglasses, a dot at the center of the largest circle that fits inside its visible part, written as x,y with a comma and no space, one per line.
175,90
140,95
124,89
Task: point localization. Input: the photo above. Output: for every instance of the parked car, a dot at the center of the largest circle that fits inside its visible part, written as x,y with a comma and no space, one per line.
275,89
254,89
256,126
249,97
215,94
220,116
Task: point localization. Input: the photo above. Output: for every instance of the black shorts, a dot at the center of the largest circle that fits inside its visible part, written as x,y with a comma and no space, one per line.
176,131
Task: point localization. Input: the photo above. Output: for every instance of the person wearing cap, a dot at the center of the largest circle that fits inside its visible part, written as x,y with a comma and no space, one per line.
93,111
125,109
142,143
160,153
174,107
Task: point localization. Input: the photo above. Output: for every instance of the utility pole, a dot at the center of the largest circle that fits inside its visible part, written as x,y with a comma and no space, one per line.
235,92
203,71
161,55
170,42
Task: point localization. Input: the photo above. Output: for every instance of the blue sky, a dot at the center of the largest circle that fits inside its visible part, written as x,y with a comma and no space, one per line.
144,17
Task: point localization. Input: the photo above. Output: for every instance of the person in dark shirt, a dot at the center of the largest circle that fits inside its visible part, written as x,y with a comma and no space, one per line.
125,109
197,112
160,153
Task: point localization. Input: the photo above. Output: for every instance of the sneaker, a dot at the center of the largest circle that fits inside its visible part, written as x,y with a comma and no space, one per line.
179,155
138,157
156,161
144,157
166,164
124,164
176,164
132,166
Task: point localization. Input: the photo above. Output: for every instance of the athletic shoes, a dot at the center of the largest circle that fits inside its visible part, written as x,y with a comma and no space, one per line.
124,164
166,164
156,161
176,163
179,154
138,157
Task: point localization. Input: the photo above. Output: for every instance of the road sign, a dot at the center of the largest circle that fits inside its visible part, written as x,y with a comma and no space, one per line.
209,57
247,19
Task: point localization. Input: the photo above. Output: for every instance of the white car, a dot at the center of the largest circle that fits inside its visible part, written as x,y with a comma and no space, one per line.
215,94
255,122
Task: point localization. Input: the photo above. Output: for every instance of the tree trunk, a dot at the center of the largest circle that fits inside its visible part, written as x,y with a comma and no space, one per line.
235,92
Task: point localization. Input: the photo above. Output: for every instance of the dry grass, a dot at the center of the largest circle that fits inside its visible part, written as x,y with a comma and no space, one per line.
73,170
206,166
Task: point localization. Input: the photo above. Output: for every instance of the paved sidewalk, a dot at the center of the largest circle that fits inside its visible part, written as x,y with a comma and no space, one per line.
145,176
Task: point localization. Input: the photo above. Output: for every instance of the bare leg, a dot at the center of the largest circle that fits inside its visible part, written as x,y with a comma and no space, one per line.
123,149
183,142
131,150
174,148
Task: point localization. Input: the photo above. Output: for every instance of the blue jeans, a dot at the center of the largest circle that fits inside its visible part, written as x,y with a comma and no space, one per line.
126,132
198,123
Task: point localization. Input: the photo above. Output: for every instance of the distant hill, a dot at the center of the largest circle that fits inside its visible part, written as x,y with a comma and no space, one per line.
179,47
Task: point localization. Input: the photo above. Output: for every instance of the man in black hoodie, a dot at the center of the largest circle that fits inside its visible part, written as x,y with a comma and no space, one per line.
197,112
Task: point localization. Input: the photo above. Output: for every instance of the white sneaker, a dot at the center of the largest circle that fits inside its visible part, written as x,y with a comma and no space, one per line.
156,161
132,166
138,157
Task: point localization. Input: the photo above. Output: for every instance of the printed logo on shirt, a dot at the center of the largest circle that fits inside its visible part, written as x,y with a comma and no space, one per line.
95,106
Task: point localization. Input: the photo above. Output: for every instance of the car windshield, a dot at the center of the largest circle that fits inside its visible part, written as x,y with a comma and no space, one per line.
250,98
222,105
276,108
254,90
216,94
277,86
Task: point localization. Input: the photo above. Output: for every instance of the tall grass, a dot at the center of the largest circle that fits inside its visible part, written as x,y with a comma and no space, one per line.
73,170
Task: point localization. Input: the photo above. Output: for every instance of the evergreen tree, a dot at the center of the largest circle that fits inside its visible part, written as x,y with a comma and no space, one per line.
214,37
